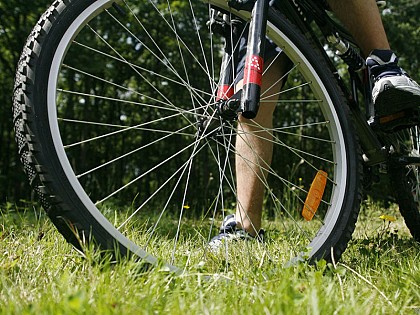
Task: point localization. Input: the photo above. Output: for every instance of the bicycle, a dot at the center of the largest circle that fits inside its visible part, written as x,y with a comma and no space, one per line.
122,105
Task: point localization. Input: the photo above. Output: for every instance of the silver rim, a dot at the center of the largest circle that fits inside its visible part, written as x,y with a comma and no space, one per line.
336,158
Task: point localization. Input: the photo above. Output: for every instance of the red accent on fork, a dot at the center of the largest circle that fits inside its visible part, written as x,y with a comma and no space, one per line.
224,92
253,70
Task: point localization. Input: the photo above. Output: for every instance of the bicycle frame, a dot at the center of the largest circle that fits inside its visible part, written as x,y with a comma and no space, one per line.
301,13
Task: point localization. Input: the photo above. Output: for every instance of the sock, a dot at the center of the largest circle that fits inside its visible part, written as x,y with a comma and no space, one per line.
383,63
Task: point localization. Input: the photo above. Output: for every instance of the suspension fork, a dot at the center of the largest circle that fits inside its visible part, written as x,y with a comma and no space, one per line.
254,62
248,100
231,31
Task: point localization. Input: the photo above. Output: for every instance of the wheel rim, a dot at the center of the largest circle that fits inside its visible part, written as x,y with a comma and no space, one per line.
60,96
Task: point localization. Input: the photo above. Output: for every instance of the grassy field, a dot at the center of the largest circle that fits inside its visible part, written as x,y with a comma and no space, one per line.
41,274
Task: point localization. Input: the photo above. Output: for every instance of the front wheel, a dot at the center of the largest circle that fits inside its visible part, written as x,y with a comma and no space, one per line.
108,97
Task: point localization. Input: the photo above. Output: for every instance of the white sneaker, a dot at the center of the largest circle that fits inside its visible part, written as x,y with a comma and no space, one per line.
229,232
393,94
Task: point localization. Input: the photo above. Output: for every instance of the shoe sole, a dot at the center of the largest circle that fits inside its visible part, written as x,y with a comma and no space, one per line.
393,101
398,109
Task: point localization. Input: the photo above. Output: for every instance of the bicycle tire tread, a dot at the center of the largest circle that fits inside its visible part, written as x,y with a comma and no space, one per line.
28,146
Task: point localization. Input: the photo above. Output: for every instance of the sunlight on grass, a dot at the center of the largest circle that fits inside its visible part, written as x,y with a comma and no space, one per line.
41,274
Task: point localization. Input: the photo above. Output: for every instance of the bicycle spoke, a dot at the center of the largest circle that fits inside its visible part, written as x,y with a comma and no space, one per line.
128,131
170,134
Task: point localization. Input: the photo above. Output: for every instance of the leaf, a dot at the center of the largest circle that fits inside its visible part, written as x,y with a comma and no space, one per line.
388,218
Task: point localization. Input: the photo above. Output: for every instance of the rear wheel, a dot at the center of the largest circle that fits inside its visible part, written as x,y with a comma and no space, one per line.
406,179
107,99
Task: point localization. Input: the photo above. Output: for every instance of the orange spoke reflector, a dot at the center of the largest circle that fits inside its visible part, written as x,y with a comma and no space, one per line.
314,195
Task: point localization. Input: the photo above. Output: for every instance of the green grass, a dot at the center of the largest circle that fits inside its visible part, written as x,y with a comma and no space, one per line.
41,274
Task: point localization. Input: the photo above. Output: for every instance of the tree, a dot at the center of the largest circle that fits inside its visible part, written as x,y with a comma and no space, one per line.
401,20
16,20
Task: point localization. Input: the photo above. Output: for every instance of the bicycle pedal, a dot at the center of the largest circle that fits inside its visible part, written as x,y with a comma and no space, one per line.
400,120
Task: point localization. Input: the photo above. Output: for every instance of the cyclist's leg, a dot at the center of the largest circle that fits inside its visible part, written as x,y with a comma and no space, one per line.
363,20
254,149
394,92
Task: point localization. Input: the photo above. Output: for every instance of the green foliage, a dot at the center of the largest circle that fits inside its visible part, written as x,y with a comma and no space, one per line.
401,21
17,18
130,95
